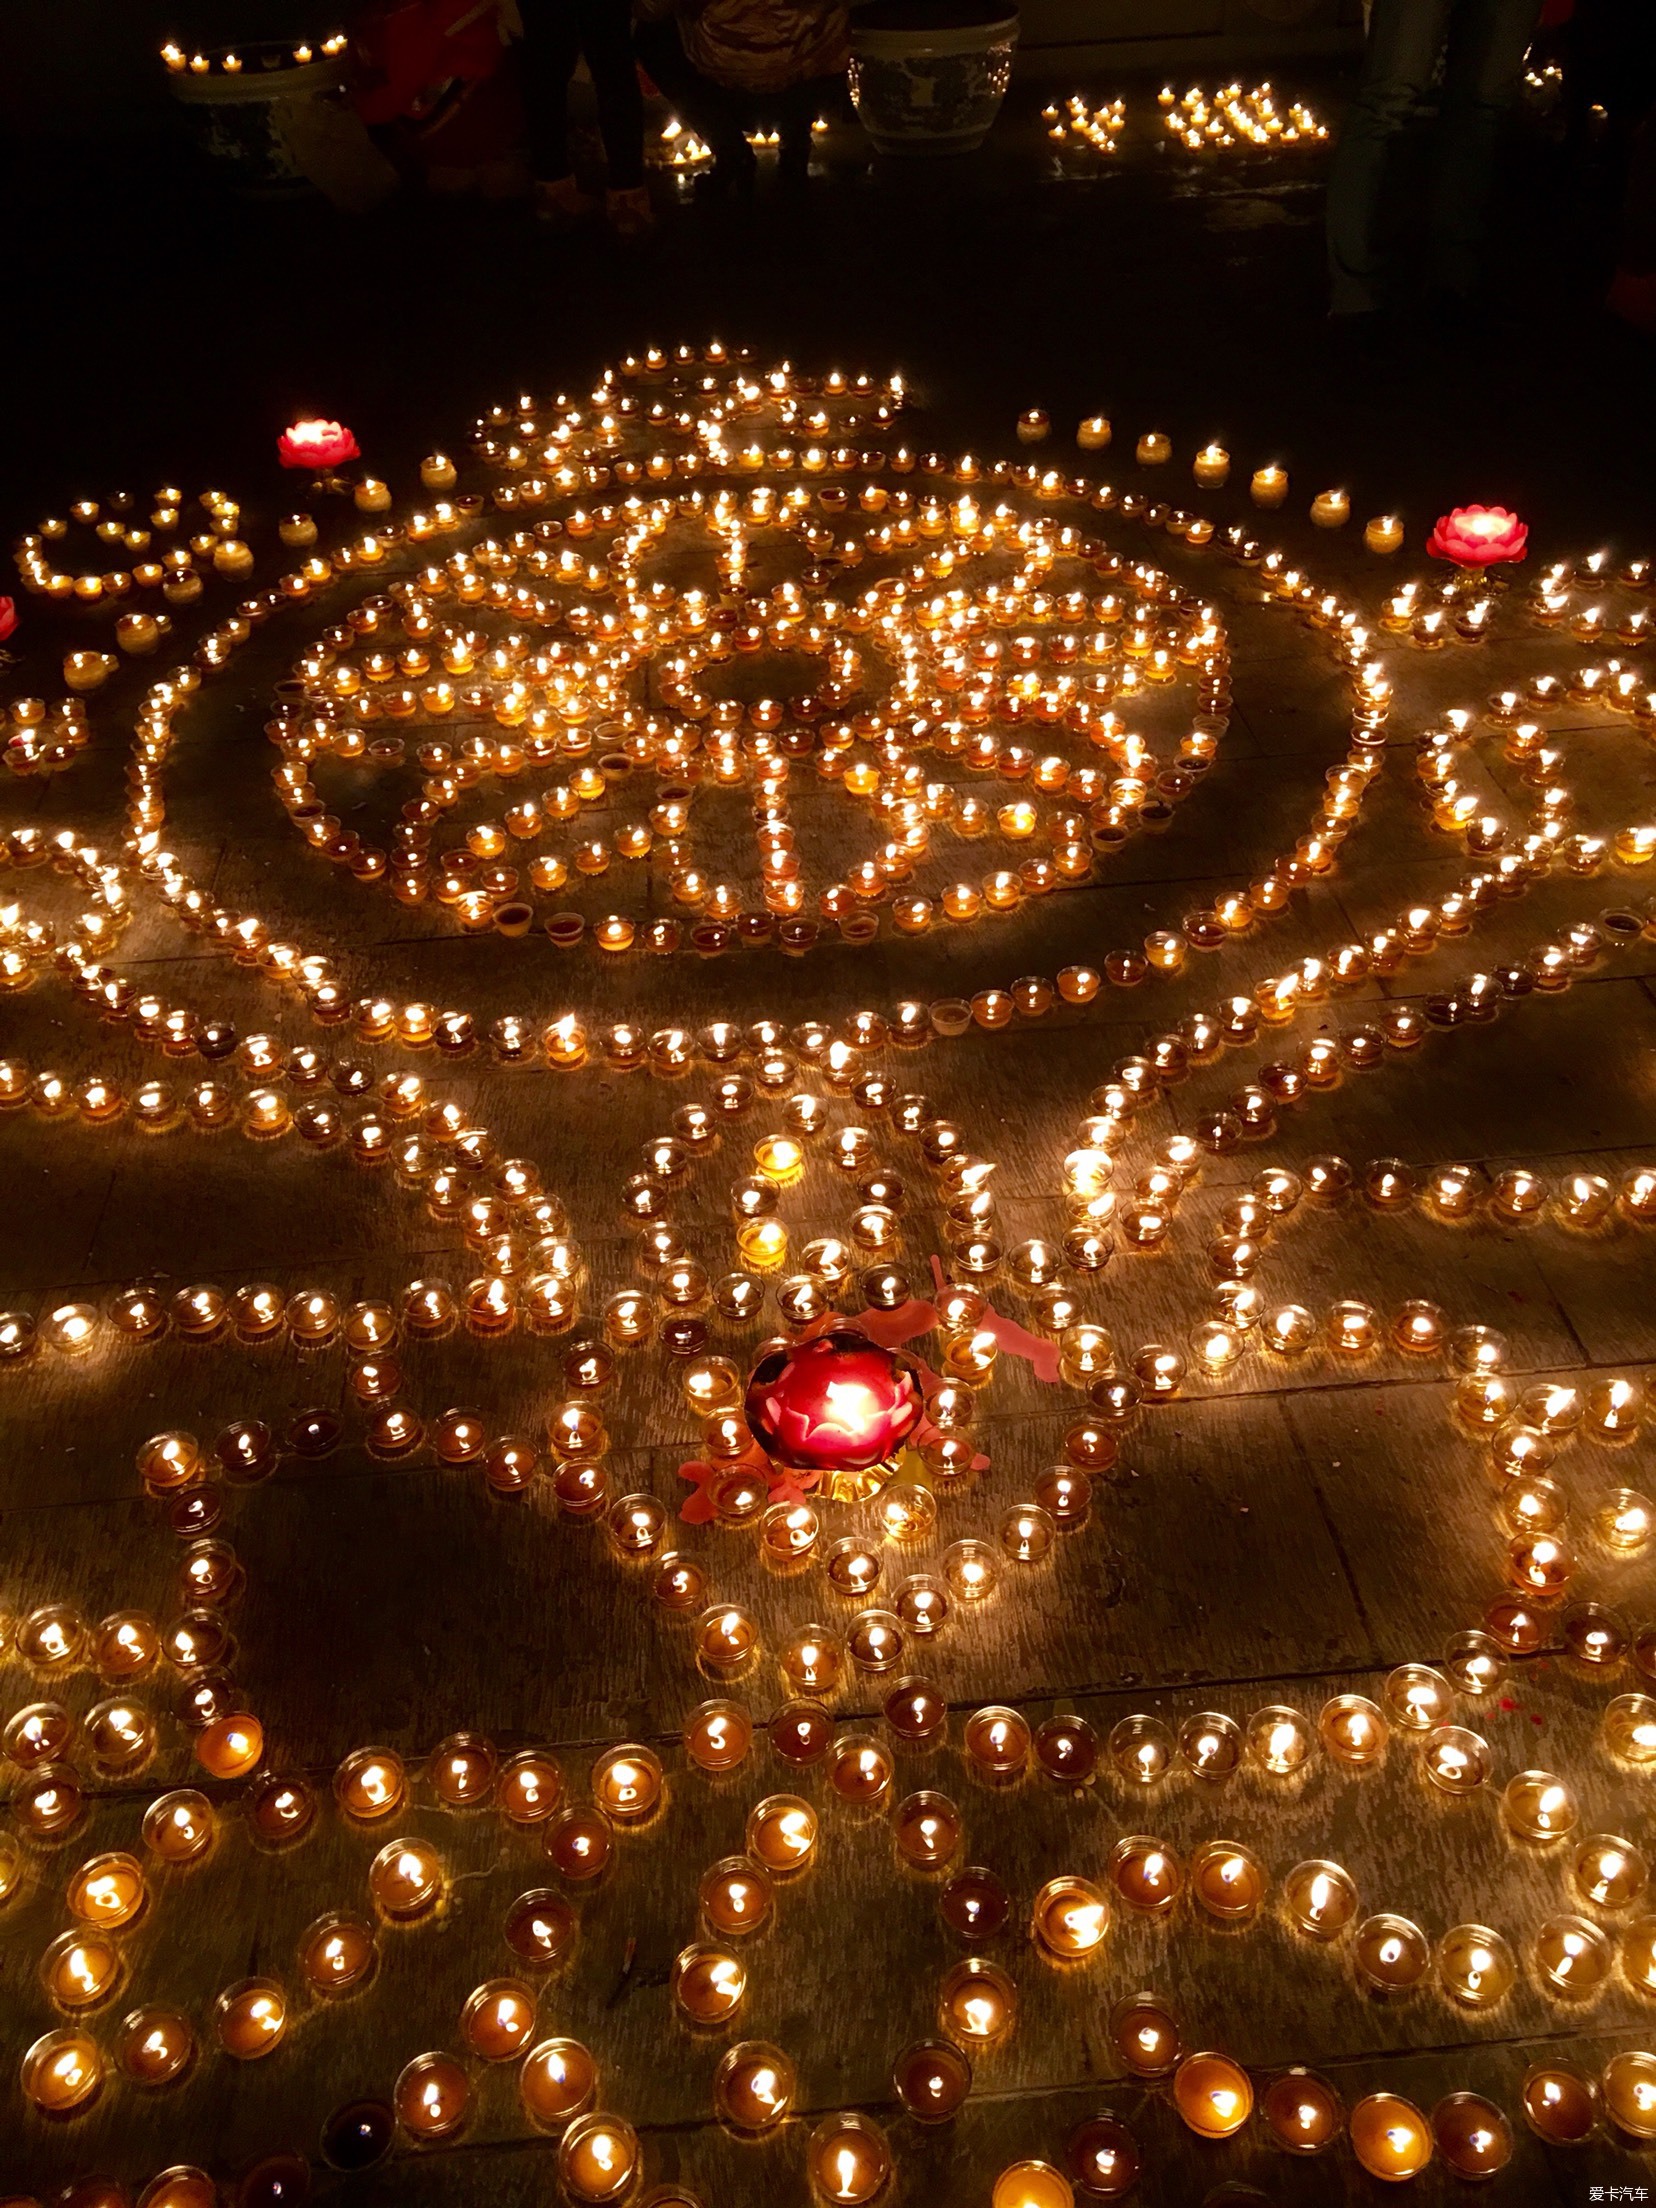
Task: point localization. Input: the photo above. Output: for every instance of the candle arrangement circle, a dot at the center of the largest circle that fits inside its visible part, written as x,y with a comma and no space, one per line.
838,1406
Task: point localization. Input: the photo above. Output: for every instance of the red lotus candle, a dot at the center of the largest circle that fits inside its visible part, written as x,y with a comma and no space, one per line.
317,445
838,1406
1478,536
8,617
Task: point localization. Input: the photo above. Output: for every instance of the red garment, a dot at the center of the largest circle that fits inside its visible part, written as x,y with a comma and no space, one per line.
766,45
422,51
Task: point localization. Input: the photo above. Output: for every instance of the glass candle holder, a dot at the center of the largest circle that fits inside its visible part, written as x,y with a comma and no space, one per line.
708,1983
1320,1897
1572,1956
931,2080
1144,2035
1031,2184
848,2160
1141,1749
1213,2094
977,2003
1560,2105
337,1955
1353,1730
1302,2112
1390,2137
250,2019
1228,1881
1070,1918
1539,1806
754,2086
1147,1875
1476,1966
1629,2088
432,2098
1472,2135
1104,2159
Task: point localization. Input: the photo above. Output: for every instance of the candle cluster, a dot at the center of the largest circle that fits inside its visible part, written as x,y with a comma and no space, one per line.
1232,117
226,61
1079,123
836,1315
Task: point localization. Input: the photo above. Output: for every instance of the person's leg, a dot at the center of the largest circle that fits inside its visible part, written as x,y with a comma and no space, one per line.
1487,43
551,47
1404,41
797,109
606,41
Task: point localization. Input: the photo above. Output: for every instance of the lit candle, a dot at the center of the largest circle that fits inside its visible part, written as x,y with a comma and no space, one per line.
557,2081
432,2097
754,2086
1213,2094
931,2080
848,2159
1383,534
1211,466
1269,486
1390,2137
1331,509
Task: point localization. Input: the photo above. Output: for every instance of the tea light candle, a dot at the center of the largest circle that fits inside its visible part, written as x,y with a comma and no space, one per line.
708,1983
1472,2135
931,2080
1476,1965
977,2002
1278,1739
718,1737
1033,426
230,1747
928,1830
1390,2137
754,2086
1302,2111
1391,1953
997,1744
1269,486
108,1890
1104,2159
1609,1872
860,1772
1213,2094
736,1896
1094,433
848,2159
1228,1880
337,1954
1353,1731
1070,1919
1560,2105
250,2019
1032,2185
1455,1760
1154,449
1538,1806
62,2072
432,2097
405,1879
1321,1898
179,1826
1384,534
1630,1728
1144,2035
498,2020
726,1638
155,2046
1572,1956
1331,509
79,1970
557,2081
782,1833
1629,2081
627,1784
370,1783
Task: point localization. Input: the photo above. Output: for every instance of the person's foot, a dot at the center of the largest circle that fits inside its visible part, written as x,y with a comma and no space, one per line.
561,203
629,213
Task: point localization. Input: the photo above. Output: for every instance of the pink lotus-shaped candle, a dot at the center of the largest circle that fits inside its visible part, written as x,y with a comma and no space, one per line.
316,444
838,1405
1478,536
